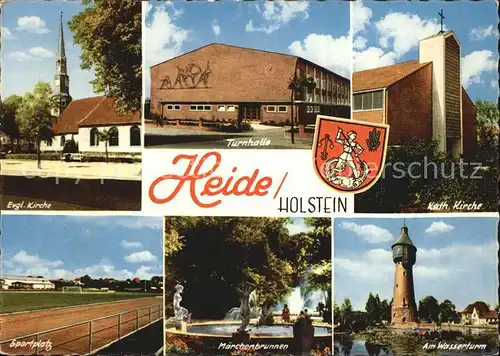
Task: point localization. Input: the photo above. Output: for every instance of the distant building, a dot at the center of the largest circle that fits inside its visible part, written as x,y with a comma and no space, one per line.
421,99
82,120
478,314
19,282
223,83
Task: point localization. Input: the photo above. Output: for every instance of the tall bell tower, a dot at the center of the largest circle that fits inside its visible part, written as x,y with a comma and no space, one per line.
61,78
404,255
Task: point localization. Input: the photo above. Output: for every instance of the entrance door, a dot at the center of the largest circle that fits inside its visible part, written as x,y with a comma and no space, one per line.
251,112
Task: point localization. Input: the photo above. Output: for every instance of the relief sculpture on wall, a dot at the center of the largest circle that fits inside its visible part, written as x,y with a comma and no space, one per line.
192,76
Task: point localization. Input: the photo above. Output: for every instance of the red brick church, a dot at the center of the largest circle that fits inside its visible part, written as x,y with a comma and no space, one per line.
422,99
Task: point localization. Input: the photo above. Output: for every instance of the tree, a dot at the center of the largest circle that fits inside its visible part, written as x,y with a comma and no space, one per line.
35,118
487,132
346,312
373,309
211,256
447,312
110,39
104,136
417,173
385,308
319,258
8,109
298,84
428,309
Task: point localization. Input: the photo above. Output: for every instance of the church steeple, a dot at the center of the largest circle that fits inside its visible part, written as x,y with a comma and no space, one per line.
61,52
61,78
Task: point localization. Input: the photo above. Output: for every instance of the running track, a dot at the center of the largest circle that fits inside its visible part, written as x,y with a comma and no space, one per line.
75,340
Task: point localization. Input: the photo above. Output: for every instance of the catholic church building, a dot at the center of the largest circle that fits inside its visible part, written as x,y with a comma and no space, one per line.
421,99
84,119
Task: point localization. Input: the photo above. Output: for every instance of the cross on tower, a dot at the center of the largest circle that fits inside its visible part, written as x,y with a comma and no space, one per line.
442,18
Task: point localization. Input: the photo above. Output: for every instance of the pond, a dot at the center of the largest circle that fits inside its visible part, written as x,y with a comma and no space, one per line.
348,347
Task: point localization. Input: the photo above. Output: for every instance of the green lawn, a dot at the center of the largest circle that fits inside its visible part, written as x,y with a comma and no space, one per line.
22,301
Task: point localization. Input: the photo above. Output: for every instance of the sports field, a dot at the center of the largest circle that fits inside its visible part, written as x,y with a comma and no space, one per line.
23,301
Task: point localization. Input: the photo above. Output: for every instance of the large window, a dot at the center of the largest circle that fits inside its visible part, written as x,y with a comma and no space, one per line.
113,136
135,136
372,100
94,137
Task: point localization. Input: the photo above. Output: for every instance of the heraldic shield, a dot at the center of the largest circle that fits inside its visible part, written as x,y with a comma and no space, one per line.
349,155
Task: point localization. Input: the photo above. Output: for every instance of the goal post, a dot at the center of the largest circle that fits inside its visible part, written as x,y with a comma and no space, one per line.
72,289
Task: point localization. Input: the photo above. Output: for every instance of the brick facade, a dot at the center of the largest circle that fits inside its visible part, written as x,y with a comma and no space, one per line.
409,107
375,116
248,80
469,126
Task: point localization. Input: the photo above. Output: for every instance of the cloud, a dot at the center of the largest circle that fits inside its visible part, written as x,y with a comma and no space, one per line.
34,54
360,17
296,228
32,24
436,271
163,39
369,233
439,227
26,260
373,57
40,52
6,34
481,33
404,31
142,256
216,29
278,13
131,244
475,64
327,51
359,42
24,264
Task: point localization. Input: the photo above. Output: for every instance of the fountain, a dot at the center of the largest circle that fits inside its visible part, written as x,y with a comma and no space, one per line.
238,326
181,314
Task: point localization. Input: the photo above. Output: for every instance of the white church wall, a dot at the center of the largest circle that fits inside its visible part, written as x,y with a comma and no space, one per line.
56,143
123,140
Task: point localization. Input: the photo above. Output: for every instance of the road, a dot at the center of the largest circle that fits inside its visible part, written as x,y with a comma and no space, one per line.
75,339
174,137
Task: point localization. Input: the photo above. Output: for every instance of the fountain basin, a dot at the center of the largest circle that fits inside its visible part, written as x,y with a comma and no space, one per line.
225,329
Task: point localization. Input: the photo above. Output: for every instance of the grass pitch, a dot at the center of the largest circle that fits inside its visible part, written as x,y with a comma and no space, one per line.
11,302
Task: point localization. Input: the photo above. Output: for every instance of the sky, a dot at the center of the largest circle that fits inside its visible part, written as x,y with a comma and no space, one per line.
57,246
456,259
29,44
317,31
385,33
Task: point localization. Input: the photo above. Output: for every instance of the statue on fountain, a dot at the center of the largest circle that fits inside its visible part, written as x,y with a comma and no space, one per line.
180,313
244,292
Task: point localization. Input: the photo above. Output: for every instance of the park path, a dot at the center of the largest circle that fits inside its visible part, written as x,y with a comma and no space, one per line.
75,339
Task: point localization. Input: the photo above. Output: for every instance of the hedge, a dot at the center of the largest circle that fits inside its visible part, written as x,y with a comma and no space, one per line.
87,158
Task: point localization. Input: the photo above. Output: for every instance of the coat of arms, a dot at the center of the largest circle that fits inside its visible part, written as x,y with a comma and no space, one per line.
349,155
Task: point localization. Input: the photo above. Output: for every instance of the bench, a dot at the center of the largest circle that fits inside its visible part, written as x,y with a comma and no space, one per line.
69,157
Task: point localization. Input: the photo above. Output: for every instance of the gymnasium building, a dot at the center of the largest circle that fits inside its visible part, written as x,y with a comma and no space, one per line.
223,83
422,99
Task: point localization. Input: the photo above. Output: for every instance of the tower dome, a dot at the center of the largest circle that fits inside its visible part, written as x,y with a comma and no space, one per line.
403,249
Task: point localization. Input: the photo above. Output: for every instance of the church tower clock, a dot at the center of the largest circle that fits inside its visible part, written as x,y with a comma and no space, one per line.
404,255
61,78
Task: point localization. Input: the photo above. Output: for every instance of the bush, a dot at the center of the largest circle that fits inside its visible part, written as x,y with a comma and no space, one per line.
70,147
234,127
398,192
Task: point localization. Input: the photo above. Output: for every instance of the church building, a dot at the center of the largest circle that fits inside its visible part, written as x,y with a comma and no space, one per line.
83,120
421,99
